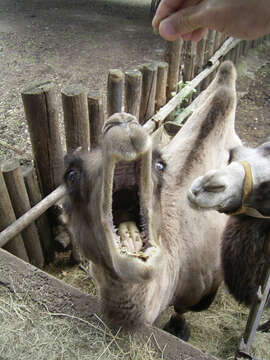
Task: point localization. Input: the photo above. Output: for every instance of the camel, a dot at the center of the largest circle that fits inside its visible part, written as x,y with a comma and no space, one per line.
129,214
242,190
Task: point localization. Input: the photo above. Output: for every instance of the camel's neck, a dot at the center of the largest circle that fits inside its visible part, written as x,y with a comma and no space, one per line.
132,304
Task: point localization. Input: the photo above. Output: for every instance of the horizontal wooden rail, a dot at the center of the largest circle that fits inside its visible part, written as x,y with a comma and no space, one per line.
163,113
31,215
155,121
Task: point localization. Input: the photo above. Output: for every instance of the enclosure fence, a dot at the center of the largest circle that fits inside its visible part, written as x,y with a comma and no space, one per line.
154,93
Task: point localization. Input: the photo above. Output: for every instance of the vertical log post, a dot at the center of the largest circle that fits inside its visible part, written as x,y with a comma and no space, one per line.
218,40
96,117
114,91
200,54
210,52
190,60
162,78
189,65
42,223
246,45
7,217
133,92
149,86
42,118
173,58
237,52
21,204
74,99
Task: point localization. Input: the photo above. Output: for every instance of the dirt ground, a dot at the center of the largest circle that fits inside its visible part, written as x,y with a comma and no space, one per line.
66,42
77,42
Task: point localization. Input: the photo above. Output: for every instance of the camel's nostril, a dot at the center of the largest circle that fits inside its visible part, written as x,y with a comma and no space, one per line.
195,192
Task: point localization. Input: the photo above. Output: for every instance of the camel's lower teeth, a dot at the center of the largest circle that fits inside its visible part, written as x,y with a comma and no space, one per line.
130,236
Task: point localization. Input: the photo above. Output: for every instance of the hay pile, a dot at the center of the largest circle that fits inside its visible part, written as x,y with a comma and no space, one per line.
29,331
218,330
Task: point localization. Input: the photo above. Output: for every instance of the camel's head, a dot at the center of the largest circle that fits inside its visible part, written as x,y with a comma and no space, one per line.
243,183
114,200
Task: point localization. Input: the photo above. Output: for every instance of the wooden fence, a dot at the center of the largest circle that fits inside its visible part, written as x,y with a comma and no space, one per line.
152,93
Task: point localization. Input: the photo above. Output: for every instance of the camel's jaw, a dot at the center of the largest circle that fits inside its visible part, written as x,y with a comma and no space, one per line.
126,207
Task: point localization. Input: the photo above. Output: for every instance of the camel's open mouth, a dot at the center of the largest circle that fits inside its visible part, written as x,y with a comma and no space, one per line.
127,190
130,210
129,216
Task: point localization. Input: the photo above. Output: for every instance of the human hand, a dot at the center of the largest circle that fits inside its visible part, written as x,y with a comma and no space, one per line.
244,19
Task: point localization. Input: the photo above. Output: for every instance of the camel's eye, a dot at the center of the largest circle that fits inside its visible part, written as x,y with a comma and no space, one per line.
72,177
159,166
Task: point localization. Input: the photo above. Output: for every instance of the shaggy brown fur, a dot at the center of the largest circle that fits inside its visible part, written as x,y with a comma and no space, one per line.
243,257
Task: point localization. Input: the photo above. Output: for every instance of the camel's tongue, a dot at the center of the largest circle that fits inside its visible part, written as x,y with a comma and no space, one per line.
130,236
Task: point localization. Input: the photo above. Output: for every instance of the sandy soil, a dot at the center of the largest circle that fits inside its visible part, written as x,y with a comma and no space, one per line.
66,42
77,42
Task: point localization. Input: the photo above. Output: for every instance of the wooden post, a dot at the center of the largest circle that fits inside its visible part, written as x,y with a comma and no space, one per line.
149,85
190,60
74,99
218,40
133,92
42,118
7,217
211,50
201,61
246,45
42,223
238,53
200,53
21,204
114,91
173,58
162,78
96,117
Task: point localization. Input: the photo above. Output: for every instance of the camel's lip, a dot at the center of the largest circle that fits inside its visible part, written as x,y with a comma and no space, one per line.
192,202
199,207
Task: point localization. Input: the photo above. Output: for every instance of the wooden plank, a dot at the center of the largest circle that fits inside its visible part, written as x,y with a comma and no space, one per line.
7,217
42,223
21,204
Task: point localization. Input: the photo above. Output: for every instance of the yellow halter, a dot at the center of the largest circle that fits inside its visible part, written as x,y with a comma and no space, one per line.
247,188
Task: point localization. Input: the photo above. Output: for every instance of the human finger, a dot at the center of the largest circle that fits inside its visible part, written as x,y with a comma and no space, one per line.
183,22
168,7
